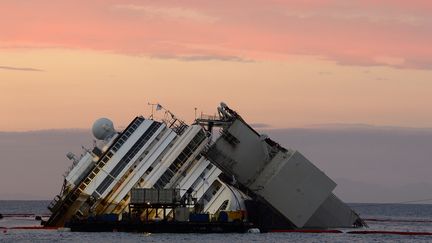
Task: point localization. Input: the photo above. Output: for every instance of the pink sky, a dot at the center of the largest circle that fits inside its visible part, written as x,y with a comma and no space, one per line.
346,39
396,33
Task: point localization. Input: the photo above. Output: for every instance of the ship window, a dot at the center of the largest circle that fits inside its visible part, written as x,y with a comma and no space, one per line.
128,157
181,159
134,149
218,186
223,206
105,184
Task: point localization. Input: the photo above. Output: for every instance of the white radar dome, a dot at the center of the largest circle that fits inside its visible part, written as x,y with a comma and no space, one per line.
103,128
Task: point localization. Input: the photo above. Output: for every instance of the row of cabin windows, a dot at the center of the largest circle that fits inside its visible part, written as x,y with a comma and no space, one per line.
213,190
135,148
223,206
109,154
128,157
126,134
155,140
180,160
159,159
201,177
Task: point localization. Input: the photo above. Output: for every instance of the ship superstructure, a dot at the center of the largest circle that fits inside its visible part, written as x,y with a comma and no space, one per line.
241,170
279,180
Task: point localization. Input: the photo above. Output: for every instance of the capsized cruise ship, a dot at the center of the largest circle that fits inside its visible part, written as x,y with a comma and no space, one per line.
220,163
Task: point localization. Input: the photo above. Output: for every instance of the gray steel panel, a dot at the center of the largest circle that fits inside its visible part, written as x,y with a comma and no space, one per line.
246,157
294,186
333,213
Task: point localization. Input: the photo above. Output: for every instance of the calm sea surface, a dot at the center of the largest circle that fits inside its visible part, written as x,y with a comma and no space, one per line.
409,212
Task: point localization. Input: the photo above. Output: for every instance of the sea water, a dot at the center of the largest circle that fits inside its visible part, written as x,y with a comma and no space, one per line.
400,217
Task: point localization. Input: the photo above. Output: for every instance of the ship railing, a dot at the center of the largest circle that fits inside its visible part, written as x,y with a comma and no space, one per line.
178,126
209,117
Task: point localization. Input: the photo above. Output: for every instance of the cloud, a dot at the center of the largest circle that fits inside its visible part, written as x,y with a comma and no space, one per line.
194,58
167,12
389,33
369,14
21,69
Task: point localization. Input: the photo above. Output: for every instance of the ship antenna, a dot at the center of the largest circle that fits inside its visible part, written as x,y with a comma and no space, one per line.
152,106
158,108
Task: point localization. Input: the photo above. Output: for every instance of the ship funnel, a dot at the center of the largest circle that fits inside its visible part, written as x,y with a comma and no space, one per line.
103,129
